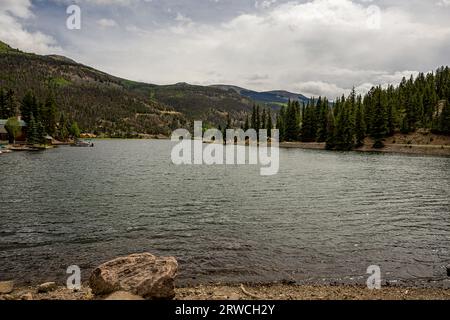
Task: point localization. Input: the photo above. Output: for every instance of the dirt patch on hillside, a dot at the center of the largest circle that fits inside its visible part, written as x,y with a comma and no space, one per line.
421,137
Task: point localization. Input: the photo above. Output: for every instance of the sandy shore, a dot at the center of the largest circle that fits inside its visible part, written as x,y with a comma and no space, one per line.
432,150
254,292
422,142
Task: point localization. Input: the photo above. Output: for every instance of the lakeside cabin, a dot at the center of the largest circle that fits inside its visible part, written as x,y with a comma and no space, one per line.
4,136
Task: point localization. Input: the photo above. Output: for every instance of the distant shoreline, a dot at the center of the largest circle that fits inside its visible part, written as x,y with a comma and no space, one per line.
398,148
432,150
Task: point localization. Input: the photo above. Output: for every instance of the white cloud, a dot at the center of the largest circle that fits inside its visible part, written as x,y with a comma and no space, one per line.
319,88
182,19
17,8
321,47
13,33
265,4
107,23
101,2
443,3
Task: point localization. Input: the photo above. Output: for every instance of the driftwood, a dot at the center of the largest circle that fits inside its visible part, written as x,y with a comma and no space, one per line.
250,294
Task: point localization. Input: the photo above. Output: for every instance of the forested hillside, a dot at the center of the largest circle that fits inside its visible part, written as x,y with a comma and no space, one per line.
416,103
102,103
208,104
97,101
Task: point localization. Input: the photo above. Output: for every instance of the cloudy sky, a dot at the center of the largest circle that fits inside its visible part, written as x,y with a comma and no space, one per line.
315,47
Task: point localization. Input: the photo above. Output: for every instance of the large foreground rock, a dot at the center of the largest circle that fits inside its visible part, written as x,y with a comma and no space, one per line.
123,296
142,274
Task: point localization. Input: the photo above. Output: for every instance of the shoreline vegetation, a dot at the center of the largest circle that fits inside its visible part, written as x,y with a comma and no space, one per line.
419,143
233,292
417,105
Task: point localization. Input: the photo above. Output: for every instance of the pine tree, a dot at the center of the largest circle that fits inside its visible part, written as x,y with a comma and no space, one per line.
229,125
430,101
269,124
258,120
368,110
224,131
379,128
360,125
344,131
63,130
8,104
41,134
38,111
390,110
11,104
32,133
411,106
331,130
3,112
291,126
322,120
309,125
298,115
313,120
263,119
351,101
50,111
444,119
28,105
254,121
420,110
280,123
246,124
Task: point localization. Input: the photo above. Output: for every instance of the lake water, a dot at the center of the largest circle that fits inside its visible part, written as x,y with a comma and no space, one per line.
324,218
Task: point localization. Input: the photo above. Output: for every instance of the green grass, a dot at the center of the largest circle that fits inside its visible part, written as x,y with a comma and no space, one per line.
60,82
280,104
4,47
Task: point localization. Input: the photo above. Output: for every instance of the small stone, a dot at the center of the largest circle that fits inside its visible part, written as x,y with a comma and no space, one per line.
6,287
47,287
123,296
234,297
26,296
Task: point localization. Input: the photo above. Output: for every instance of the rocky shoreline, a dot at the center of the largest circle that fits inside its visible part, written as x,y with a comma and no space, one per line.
430,150
144,276
242,292
419,143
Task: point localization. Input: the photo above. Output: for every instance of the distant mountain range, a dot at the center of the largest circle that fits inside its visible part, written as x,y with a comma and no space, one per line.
275,98
103,103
